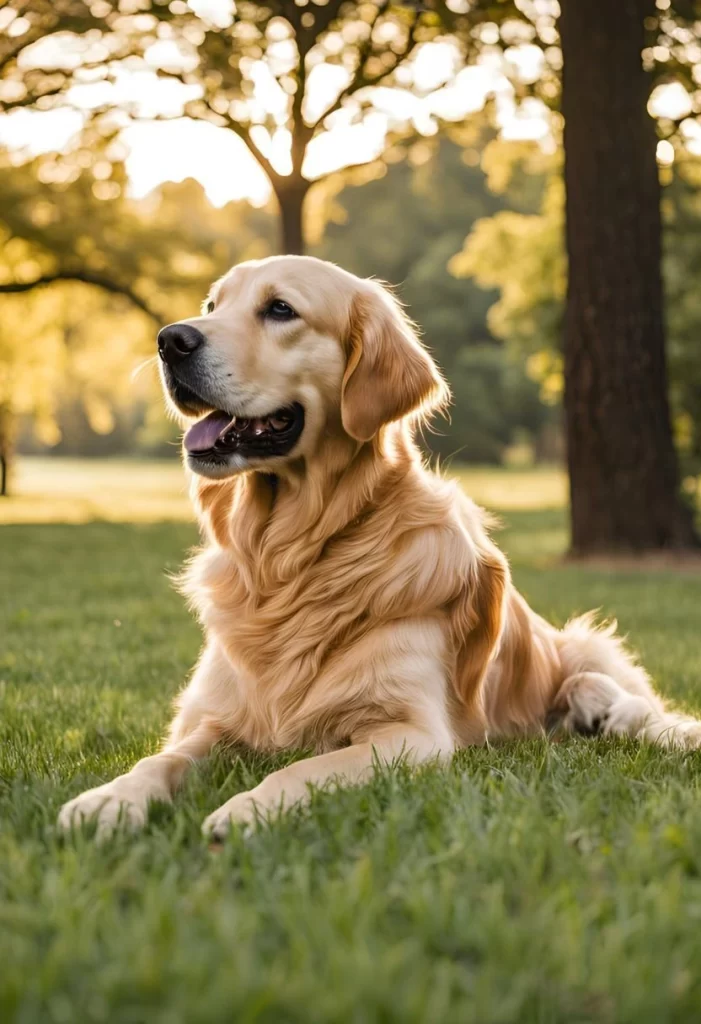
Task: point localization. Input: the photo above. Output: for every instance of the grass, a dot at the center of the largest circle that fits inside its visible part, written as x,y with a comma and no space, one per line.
61,490
527,882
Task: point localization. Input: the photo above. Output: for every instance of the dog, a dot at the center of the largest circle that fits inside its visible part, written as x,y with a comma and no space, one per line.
351,599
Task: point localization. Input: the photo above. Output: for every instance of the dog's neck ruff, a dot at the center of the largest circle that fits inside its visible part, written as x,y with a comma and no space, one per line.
260,515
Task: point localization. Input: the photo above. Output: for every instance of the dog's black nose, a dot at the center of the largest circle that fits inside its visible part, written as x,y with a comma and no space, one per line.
178,341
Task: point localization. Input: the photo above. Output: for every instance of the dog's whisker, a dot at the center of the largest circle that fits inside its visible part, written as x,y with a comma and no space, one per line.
139,369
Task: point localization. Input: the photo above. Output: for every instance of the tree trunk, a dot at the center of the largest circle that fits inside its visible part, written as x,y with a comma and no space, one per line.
6,446
290,196
623,469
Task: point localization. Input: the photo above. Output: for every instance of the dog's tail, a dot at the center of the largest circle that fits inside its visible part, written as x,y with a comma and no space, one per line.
606,691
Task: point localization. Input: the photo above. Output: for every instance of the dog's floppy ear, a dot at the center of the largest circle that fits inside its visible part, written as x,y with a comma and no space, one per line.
389,373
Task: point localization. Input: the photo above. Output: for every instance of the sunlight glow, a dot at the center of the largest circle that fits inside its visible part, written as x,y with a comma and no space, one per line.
176,147
691,131
175,150
665,152
670,100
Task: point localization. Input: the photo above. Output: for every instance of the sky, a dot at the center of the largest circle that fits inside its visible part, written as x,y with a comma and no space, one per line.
174,149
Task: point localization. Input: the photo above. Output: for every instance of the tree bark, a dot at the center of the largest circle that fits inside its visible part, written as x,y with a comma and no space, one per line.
6,449
290,196
623,470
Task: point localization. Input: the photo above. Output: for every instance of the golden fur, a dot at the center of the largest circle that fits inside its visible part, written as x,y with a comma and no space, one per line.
351,599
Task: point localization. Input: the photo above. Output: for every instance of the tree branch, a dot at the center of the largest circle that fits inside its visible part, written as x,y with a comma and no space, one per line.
306,37
262,160
84,277
27,40
301,133
29,100
228,122
360,80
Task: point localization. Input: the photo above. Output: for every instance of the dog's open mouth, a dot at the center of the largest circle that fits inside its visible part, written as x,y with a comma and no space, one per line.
219,434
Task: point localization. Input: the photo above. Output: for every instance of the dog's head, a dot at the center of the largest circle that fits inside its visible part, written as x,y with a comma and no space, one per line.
288,351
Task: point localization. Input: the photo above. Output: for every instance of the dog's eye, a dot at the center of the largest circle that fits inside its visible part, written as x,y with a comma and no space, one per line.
279,310
209,306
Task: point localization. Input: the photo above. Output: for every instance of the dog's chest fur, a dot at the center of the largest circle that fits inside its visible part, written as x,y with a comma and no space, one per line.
297,622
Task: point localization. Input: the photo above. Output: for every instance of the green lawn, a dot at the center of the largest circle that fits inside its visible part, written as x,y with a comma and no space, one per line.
528,882
64,490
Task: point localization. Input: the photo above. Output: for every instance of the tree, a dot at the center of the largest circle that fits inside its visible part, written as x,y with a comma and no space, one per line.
275,73
287,46
623,471
27,22
621,458
339,48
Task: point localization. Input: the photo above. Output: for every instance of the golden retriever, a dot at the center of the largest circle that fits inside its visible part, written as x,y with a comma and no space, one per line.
351,599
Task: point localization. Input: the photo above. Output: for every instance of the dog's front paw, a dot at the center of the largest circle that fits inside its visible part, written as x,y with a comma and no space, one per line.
242,810
109,806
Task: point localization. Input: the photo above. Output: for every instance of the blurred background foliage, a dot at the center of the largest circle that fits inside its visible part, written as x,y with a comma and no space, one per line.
471,236
467,223
69,349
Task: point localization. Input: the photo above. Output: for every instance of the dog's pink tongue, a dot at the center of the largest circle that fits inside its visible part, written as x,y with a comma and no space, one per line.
203,435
